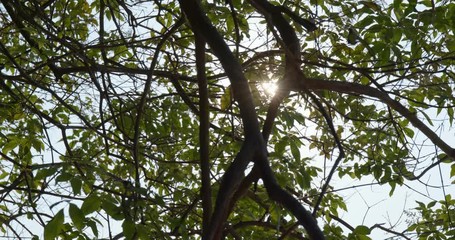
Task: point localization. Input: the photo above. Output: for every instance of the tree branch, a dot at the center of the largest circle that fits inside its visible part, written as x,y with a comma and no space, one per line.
355,88
206,191
253,139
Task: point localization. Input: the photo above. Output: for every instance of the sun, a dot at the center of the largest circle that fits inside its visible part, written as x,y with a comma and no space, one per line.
269,88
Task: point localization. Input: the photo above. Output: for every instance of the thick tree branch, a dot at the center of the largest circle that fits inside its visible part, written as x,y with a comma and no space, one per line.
254,143
355,88
273,188
253,139
206,191
291,45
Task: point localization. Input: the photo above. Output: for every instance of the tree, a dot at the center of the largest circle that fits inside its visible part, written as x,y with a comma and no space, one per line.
156,119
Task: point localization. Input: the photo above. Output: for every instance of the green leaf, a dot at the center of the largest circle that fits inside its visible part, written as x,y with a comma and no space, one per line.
450,112
63,177
397,8
412,227
226,99
76,184
427,118
230,24
10,145
129,229
352,36
431,204
363,237
295,151
452,170
371,4
4,174
363,230
280,146
409,132
392,184
306,180
142,231
45,172
91,204
421,205
93,226
77,216
54,226
112,210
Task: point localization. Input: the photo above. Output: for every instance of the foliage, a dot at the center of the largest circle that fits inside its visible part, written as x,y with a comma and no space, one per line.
101,116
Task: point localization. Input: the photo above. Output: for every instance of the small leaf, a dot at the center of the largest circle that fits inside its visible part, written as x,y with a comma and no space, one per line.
363,230
4,174
54,226
306,179
91,203
392,186
10,145
363,237
77,216
427,118
226,99
76,184
112,210
45,172
129,229
295,151
92,225
409,132
412,227
451,115
352,36
280,147
444,158
431,204
372,5
421,205
63,177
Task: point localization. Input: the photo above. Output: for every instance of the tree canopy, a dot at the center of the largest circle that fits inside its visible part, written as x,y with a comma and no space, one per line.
236,119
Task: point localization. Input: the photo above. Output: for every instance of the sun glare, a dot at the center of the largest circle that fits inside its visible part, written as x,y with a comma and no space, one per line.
269,88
